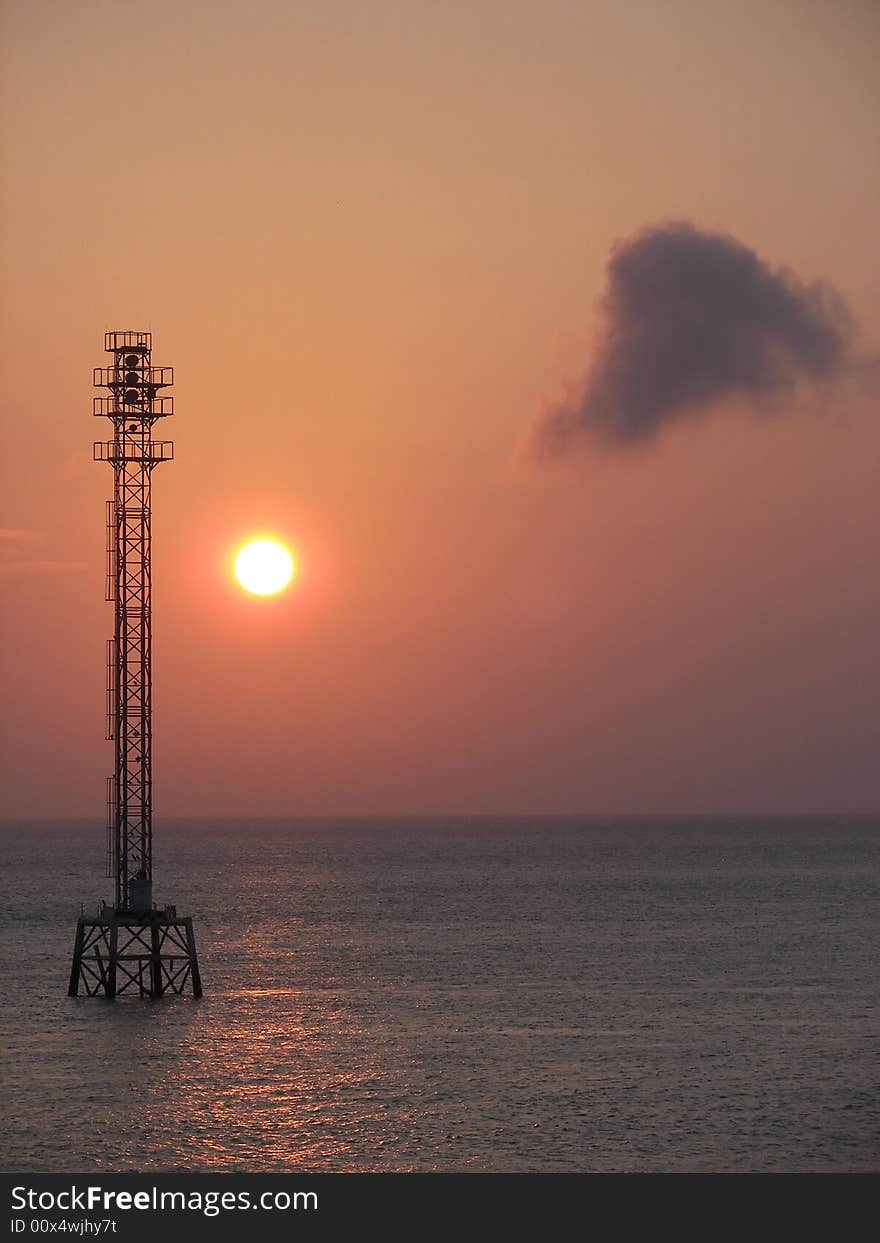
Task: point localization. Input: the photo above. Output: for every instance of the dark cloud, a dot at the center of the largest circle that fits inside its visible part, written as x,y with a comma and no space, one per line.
688,319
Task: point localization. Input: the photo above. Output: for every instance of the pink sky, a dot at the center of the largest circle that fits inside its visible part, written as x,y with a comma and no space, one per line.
371,240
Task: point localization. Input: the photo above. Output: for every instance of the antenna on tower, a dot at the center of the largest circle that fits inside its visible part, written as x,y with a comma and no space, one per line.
132,946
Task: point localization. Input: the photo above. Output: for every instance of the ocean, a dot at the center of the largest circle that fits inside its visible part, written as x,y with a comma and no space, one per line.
543,994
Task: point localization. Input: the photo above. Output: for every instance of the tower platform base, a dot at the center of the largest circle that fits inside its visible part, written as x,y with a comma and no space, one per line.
134,953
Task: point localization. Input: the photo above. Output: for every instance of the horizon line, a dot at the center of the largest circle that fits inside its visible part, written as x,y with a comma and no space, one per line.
465,815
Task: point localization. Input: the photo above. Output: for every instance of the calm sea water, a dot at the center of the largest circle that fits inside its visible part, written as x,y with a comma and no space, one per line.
560,995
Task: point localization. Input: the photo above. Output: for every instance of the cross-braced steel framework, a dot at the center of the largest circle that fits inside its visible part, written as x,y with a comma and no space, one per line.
133,408
109,950
156,956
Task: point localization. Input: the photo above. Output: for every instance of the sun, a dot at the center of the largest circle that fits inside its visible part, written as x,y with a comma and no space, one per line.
264,567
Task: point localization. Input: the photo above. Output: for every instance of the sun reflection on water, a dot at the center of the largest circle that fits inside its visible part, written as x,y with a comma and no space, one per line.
295,1082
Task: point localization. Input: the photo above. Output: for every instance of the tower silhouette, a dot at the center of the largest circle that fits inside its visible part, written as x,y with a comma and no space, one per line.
131,945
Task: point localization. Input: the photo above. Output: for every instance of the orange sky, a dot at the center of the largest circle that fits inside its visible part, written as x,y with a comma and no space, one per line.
370,238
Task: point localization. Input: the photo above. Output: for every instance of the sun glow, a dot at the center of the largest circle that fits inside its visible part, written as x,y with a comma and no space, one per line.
264,567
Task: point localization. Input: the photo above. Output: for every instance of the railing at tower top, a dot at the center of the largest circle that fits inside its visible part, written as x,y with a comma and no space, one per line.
128,340
117,377
113,408
126,450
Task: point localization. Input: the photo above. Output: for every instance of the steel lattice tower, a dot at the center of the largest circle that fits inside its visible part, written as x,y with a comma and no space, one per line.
132,945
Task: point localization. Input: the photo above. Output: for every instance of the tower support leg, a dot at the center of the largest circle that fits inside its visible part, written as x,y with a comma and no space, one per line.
113,958
73,987
156,985
194,959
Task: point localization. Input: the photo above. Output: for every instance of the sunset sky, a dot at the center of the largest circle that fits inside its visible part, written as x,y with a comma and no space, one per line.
372,239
